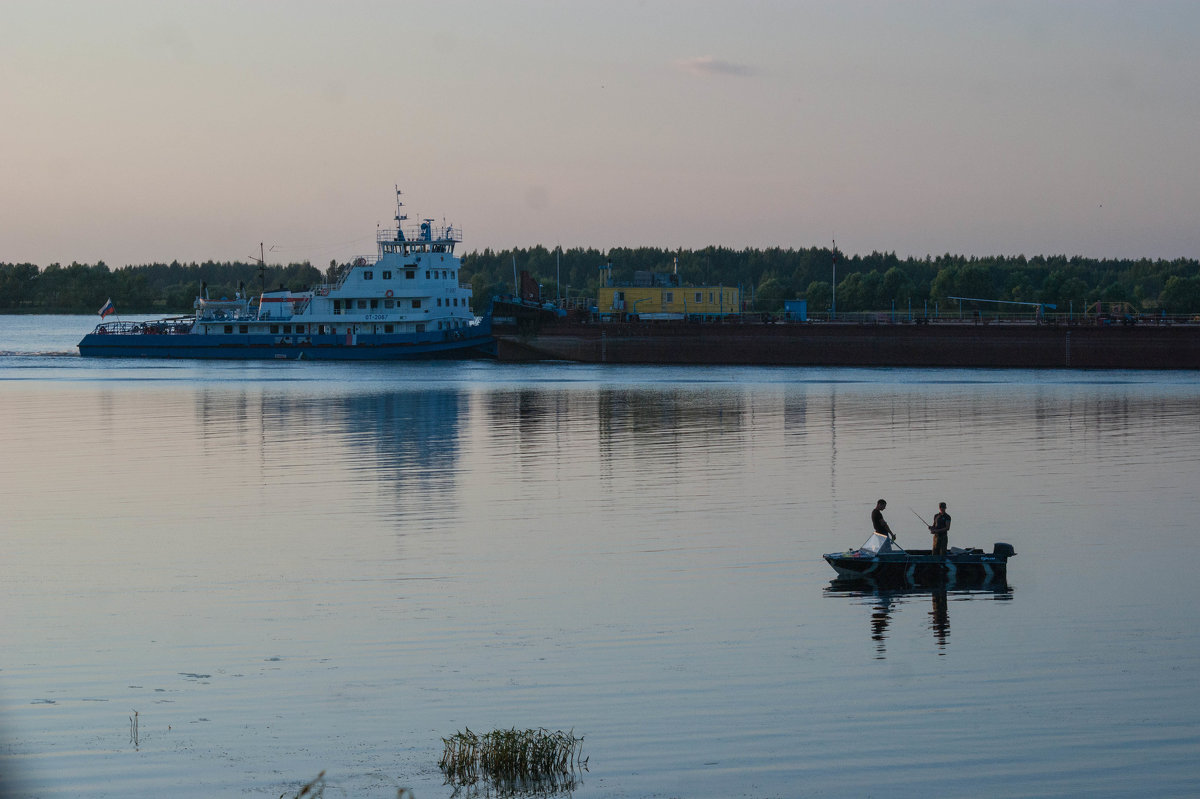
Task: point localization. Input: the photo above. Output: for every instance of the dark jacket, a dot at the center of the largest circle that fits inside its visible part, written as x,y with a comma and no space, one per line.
879,524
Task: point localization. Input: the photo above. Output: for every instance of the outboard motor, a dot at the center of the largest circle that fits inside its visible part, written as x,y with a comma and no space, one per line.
1003,550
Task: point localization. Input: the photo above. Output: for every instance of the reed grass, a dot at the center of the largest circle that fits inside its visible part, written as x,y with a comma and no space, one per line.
515,761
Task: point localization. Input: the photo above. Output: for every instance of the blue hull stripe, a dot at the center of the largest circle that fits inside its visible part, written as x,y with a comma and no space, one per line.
266,347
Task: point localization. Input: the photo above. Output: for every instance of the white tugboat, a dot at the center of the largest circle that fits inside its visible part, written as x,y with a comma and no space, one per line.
408,302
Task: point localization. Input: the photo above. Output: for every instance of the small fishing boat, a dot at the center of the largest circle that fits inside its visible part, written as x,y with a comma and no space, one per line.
883,560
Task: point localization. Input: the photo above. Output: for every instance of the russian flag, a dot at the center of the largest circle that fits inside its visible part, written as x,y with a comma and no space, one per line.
106,309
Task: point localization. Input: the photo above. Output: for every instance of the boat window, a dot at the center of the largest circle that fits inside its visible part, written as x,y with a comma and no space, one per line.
368,275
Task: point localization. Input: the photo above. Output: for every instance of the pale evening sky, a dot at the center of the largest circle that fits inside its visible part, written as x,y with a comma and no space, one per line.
135,132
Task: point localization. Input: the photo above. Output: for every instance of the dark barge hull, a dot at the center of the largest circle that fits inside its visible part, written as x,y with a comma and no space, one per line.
945,344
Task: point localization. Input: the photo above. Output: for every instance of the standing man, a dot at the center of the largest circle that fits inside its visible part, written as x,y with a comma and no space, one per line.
940,529
879,524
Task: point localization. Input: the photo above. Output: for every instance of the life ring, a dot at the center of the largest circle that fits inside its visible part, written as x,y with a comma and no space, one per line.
388,293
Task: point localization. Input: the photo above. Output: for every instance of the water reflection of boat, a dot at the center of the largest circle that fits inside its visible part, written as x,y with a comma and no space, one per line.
886,598
408,440
883,560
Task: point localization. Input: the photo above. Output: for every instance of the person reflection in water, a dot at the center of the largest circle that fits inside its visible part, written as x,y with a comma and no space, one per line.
887,601
939,618
881,616
877,521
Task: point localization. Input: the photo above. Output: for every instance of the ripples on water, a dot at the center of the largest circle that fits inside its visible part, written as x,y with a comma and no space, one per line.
293,567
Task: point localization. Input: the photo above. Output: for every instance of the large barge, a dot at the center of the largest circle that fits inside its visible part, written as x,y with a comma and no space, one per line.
939,343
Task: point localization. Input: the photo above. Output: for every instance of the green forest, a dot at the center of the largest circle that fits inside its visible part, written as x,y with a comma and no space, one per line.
767,277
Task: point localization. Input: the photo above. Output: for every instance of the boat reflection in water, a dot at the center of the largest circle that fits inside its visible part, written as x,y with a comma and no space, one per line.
886,598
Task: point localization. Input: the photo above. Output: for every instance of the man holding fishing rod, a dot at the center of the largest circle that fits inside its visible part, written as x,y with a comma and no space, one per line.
940,529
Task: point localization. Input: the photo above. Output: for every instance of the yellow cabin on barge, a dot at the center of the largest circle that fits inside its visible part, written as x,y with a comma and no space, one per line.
656,296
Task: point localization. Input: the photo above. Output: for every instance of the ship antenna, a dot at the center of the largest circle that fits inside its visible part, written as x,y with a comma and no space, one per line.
400,217
262,273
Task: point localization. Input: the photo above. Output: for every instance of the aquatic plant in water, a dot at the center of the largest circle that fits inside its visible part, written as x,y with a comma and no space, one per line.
515,761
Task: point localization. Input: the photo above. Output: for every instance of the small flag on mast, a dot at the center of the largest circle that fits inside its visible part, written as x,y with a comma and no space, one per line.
106,309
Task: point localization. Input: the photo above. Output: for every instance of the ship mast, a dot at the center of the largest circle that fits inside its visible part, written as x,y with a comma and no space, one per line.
262,276
400,216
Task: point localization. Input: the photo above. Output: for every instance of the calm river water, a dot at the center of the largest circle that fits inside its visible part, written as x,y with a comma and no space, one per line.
289,568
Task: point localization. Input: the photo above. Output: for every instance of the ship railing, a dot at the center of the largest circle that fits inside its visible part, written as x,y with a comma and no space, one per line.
416,234
118,327
225,314
1007,319
162,327
574,303
345,269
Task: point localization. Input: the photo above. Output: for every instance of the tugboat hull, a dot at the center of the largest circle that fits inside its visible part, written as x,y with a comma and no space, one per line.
396,347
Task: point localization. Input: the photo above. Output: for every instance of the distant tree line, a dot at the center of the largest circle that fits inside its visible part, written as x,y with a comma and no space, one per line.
173,287
875,282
